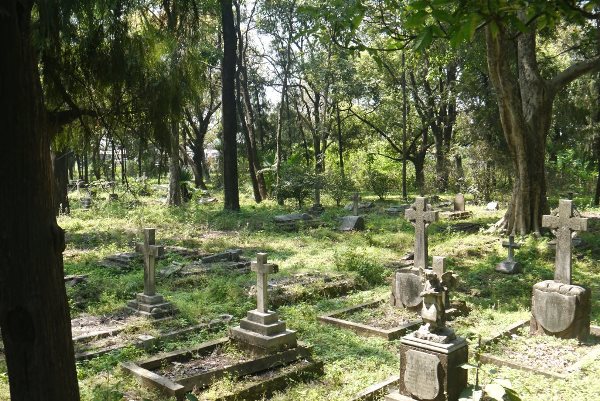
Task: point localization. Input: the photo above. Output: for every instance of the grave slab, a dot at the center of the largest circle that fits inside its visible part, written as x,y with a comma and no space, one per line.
352,223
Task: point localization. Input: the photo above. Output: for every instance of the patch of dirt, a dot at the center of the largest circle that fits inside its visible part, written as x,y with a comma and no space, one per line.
219,358
88,324
385,316
549,353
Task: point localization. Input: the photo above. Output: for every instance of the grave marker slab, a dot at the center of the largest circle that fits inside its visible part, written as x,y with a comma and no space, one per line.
558,307
509,265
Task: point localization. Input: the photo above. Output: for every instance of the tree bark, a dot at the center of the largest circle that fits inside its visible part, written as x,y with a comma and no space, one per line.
60,167
230,168
34,312
174,166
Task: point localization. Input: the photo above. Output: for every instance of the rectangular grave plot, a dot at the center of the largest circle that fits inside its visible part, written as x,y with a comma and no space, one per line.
265,384
341,318
560,358
151,372
377,390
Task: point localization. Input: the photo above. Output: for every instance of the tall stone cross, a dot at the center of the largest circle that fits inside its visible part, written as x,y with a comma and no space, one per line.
150,251
564,224
420,218
511,245
355,199
262,269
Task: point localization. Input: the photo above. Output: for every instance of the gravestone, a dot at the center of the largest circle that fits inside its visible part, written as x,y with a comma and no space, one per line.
397,210
354,222
560,308
509,265
407,283
431,357
261,327
149,303
355,200
459,209
293,220
492,206
86,202
459,203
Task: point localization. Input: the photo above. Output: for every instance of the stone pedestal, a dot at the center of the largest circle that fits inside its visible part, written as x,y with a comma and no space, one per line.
406,289
264,331
153,306
352,223
560,310
431,371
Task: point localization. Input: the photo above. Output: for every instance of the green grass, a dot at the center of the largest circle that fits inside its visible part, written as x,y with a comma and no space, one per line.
351,362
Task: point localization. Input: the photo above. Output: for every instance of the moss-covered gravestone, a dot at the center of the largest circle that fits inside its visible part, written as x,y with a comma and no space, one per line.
560,308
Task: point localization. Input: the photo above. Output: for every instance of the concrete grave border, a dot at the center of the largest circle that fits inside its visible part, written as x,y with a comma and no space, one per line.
143,371
394,333
487,358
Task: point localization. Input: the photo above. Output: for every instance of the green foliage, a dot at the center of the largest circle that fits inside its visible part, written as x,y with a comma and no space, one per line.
296,182
352,261
338,186
379,182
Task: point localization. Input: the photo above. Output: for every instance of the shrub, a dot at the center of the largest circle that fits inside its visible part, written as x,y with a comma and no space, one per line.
371,272
338,187
296,182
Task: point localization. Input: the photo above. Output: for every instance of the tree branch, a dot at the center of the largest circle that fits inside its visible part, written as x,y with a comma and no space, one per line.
573,72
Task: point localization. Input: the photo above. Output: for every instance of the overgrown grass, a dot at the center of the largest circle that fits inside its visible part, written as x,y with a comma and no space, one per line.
351,362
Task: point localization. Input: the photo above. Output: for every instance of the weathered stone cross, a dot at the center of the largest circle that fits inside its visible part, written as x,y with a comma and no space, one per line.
262,269
511,245
150,253
420,218
564,224
355,199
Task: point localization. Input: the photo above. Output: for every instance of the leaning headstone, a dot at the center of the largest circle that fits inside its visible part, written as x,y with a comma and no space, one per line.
560,308
230,255
352,223
292,221
262,327
149,303
431,358
509,265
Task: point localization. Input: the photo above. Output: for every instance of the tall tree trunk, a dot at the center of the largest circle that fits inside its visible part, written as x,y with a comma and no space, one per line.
230,168
525,105
404,139
174,166
60,164
34,312
123,166
339,140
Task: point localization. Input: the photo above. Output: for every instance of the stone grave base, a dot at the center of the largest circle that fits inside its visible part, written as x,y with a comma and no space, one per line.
257,374
397,210
352,223
336,318
560,310
378,390
153,306
264,331
518,332
431,371
457,215
508,267
293,222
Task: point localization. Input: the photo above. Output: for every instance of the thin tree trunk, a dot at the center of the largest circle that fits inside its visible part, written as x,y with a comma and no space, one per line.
34,312
404,143
61,181
230,168
174,166
340,143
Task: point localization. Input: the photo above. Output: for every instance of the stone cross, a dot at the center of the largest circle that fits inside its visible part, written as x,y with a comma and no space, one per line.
511,245
150,253
439,266
262,269
420,218
355,199
564,224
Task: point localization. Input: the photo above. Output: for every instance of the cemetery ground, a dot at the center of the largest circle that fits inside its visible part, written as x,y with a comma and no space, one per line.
351,362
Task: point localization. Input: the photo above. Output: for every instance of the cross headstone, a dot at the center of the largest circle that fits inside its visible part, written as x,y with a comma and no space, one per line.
150,252
262,269
420,218
439,266
459,203
355,200
511,245
564,224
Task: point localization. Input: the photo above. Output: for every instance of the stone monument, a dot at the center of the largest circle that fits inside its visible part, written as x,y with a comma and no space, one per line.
431,357
149,303
407,283
560,308
459,208
261,327
354,222
509,265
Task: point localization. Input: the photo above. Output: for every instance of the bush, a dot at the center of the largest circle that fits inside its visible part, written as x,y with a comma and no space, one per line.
296,182
338,187
378,182
371,272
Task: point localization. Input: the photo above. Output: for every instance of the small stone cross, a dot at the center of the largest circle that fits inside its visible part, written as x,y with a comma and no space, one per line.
262,269
564,224
420,218
150,253
355,200
511,245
